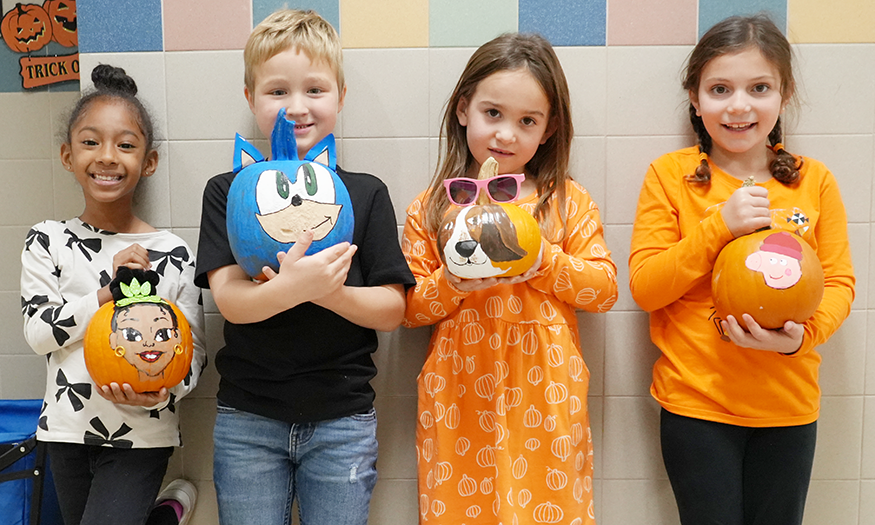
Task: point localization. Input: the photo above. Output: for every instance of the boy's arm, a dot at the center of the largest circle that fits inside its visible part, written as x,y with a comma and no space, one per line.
300,279
377,307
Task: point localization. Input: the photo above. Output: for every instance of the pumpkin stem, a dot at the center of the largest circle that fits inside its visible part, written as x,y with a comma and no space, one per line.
488,170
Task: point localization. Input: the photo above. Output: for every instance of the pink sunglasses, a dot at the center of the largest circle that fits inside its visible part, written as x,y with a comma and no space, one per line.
463,191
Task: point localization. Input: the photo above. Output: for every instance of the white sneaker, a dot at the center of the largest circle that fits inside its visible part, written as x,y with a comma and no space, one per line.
182,491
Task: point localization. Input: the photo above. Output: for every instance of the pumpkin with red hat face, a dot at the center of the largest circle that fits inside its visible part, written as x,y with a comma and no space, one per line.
773,275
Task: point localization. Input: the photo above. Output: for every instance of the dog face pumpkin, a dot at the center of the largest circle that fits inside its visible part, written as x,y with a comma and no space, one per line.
477,242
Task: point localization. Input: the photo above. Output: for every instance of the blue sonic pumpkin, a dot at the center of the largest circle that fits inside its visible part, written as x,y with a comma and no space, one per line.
273,201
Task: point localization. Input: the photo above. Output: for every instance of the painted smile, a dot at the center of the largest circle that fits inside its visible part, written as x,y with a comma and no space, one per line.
150,356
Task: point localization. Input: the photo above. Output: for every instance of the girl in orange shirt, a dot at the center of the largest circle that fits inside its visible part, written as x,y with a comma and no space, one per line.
738,424
503,430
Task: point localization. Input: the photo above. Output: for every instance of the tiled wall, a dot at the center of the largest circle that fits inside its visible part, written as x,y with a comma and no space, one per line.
623,60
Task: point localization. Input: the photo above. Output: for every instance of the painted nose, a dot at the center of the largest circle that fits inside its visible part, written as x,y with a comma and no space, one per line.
466,248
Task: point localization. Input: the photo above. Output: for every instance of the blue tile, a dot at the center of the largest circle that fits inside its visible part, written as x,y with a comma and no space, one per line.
565,22
111,26
713,11
327,9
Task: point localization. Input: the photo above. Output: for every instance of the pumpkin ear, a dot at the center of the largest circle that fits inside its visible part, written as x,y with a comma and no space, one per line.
323,152
241,146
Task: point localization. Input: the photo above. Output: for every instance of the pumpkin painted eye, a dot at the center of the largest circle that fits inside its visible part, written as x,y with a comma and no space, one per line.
273,191
132,334
163,334
310,183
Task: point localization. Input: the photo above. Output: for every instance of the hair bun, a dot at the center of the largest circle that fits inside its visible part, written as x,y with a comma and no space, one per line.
111,78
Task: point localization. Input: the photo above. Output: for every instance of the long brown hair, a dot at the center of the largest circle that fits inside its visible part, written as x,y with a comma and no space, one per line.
733,35
549,165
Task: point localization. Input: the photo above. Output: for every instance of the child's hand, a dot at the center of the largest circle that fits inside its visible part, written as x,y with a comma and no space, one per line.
134,256
785,340
747,210
125,395
314,276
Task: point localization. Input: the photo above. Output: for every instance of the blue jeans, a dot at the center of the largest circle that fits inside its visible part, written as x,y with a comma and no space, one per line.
260,465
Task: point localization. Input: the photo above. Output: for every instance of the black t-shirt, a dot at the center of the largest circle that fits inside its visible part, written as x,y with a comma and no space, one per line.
305,364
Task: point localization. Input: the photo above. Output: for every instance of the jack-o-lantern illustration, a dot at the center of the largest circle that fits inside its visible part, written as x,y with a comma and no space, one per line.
487,239
774,276
62,14
26,28
272,202
138,338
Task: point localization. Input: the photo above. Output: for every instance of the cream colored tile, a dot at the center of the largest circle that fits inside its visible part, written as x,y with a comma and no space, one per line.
12,241
27,189
27,130
867,467
192,164
61,104
629,355
586,72
152,197
387,94
197,416
11,325
445,66
205,96
433,147
836,91
843,369
147,70
644,90
396,434
867,503
631,439
67,198
22,376
839,438
395,502
833,502
619,237
638,502
627,160
400,163
596,407
206,511
870,353
591,327
587,167
859,235
850,158
399,359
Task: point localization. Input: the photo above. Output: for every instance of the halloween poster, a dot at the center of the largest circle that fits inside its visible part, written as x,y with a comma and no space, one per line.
40,41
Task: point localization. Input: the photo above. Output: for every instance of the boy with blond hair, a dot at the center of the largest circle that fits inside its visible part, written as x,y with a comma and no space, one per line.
295,407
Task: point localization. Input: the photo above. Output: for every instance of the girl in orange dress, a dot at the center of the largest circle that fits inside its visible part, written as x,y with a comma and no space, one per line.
503,431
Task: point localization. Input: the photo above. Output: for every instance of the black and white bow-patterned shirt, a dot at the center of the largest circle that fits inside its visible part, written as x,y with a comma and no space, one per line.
64,263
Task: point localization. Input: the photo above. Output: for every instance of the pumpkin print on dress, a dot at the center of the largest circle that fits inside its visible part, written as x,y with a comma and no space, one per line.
138,338
272,202
773,275
488,239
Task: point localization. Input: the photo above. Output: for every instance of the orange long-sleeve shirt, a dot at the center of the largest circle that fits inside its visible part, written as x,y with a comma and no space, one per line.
677,236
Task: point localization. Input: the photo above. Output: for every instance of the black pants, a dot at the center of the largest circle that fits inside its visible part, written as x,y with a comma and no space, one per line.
730,475
103,485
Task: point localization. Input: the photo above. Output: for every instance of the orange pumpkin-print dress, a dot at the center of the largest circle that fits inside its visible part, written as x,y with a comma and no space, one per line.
503,433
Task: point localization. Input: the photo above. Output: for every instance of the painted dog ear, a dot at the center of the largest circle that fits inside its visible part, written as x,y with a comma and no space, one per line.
499,241
445,232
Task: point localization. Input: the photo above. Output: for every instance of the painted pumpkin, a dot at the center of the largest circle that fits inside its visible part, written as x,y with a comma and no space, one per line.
138,338
26,28
488,239
773,275
62,14
271,202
